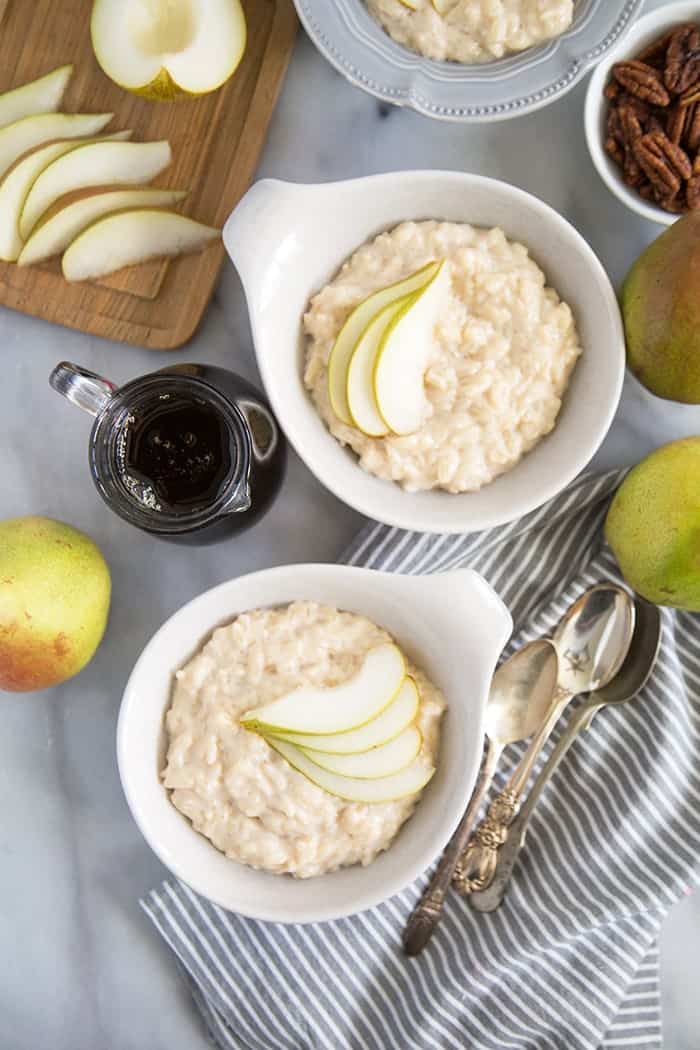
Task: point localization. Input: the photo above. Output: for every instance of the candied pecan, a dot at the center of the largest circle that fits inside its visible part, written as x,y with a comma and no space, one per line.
632,173
675,123
683,59
676,204
646,191
615,150
692,189
692,129
613,126
665,164
642,81
612,90
630,125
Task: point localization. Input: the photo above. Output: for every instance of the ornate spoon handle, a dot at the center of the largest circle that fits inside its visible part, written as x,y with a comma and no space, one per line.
426,914
491,897
477,865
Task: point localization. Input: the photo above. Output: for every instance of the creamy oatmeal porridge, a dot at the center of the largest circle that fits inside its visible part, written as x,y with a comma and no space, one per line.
229,782
472,30
503,351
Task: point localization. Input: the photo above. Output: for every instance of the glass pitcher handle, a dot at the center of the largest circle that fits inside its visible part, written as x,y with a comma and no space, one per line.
82,387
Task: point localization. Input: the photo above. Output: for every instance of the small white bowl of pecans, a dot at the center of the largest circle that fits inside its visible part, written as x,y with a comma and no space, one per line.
642,115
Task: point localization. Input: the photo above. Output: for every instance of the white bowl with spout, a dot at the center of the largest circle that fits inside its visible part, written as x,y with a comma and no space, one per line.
287,241
453,626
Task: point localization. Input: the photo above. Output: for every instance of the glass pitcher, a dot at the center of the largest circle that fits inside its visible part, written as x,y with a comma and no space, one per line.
191,453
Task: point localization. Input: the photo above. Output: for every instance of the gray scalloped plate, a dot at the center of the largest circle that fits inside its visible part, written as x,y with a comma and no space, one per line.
353,42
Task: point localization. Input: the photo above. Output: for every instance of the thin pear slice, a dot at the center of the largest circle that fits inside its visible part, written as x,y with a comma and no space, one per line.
100,164
55,234
403,356
166,48
38,96
132,237
380,730
355,325
311,709
407,782
381,761
16,185
26,134
364,410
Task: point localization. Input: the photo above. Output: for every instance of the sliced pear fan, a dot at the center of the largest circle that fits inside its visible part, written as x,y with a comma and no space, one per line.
130,238
314,710
26,134
384,789
55,234
354,327
381,761
99,164
165,48
38,96
403,356
380,730
362,403
16,185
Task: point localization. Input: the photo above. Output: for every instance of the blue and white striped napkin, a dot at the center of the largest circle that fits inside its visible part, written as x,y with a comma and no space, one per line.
570,961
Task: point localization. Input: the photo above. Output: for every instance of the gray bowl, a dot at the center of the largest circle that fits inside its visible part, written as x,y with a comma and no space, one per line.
359,48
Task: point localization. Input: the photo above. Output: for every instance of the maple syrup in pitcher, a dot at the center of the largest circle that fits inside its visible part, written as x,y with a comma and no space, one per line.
191,453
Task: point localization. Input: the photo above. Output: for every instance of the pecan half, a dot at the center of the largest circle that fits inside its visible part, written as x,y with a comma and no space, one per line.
665,164
630,124
675,123
691,140
683,59
655,54
612,90
692,190
642,81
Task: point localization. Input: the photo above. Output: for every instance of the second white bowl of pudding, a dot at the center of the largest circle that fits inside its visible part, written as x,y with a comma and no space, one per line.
504,376
207,768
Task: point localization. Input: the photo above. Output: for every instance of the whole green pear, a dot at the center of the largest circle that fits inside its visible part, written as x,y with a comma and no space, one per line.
653,526
661,311
54,601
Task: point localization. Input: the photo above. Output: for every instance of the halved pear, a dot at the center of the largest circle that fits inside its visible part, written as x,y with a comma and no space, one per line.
30,132
380,730
166,48
55,234
310,709
355,325
364,410
403,355
371,765
407,782
16,185
99,164
38,96
129,238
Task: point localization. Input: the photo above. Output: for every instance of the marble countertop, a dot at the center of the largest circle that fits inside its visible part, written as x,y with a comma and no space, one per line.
81,968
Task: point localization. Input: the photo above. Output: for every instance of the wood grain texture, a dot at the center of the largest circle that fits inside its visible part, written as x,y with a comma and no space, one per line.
216,141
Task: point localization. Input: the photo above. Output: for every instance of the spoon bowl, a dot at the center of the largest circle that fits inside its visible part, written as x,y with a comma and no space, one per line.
593,638
521,692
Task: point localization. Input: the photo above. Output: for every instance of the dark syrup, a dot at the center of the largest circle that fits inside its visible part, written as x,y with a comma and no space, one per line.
176,455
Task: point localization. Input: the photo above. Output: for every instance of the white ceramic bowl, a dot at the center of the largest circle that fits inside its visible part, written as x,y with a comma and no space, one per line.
646,30
359,48
453,626
287,241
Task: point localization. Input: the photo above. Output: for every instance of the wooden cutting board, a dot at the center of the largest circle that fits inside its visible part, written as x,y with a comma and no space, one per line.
216,141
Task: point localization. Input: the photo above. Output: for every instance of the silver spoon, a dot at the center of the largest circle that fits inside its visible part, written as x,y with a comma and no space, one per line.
592,642
626,685
520,695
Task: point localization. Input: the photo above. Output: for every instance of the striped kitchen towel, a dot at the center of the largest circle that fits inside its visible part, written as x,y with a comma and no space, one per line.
570,961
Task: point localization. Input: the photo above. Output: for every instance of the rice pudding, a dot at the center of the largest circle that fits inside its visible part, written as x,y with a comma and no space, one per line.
472,30
240,793
504,347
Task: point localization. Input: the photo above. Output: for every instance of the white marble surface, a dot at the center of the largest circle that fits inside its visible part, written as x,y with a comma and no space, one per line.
80,968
